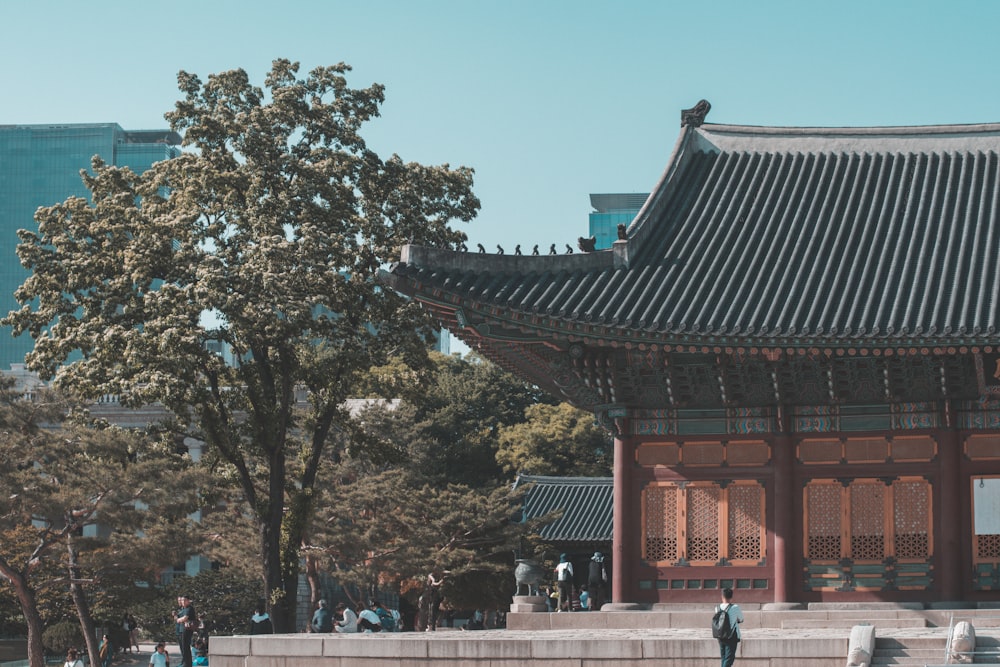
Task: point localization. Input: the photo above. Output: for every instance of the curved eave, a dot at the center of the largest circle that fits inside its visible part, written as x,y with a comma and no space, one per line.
477,320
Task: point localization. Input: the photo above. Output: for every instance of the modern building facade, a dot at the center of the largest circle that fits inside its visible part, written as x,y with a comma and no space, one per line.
797,350
611,210
40,166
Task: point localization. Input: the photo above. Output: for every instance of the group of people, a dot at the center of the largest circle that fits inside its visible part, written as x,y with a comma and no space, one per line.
193,645
188,639
566,595
371,618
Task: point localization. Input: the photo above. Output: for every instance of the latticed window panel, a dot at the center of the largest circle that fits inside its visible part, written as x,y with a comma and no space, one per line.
911,518
988,547
882,520
868,521
746,505
703,523
823,536
661,523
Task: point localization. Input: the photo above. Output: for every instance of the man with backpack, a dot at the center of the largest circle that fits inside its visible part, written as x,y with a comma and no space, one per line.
564,580
726,627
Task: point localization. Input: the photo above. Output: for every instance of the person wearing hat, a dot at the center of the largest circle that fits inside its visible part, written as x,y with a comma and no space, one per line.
597,580
564,580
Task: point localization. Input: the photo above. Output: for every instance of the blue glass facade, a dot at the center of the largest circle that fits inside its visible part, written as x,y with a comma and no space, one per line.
40,166
611,210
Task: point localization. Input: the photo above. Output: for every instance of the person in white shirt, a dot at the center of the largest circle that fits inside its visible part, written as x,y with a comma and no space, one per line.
73,659
727,647
349,620
564,580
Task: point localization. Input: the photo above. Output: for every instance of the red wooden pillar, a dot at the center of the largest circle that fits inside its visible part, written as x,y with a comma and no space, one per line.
949,550
784,515
623,541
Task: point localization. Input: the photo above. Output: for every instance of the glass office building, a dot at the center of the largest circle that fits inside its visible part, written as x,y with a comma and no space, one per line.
40,166
611,210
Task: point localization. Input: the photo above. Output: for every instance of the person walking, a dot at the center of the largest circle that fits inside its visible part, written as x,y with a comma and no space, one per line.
727,646
564,581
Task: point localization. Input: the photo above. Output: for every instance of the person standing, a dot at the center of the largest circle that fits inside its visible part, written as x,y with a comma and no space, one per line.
432,602
727,647
132,626
564,580
106,652
187,618
159,656
597,580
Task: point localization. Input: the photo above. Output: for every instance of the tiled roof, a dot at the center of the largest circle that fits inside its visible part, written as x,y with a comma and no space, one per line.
586,503
790,236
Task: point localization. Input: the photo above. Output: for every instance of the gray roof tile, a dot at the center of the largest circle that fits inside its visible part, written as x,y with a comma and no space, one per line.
586,503
793,235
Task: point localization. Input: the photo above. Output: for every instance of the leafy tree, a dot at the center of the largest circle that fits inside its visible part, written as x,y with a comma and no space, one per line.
274,222
225,599
556,440
72,503
451,435
389,530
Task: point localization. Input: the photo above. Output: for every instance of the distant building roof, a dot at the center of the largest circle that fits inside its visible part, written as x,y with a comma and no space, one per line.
586,503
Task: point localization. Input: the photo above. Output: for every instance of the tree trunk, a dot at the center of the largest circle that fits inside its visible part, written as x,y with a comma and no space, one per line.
312,576
271,570
29,609
80,600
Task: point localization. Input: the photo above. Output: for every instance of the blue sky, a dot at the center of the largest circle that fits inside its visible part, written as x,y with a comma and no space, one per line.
548,100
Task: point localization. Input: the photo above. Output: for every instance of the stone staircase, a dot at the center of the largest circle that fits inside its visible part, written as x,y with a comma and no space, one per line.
909,651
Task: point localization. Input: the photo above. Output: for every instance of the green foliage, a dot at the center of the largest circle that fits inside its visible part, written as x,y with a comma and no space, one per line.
275,220
389,530
224,599
83,489
60,637
556,440
451,433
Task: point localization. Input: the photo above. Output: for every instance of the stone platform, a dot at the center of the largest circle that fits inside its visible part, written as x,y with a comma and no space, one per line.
814,637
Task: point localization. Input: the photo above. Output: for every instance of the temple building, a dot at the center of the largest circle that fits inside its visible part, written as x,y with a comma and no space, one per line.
796,344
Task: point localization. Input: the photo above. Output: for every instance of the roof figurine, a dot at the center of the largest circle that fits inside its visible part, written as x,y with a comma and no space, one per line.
695,116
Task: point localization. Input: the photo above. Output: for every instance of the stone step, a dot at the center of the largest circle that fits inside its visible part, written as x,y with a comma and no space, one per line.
805,623
903,643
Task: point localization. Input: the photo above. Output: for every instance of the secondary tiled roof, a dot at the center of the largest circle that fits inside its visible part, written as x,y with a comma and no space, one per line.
586,503
790,236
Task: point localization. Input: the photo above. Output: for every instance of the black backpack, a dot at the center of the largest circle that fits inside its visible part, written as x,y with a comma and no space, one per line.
722,626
